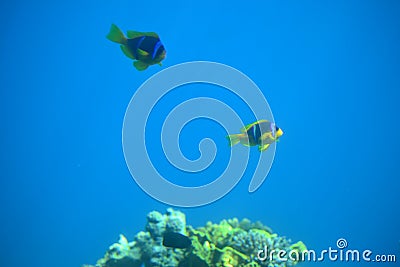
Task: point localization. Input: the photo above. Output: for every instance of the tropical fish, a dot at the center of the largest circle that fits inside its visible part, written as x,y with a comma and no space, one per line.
176,240
262,133
143,47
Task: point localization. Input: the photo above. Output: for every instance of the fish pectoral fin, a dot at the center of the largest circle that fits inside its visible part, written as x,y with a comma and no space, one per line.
126,52
267,136
139,65
263,147
142,53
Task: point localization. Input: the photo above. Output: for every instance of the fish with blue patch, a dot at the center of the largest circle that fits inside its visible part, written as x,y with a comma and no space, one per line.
145,48
261,133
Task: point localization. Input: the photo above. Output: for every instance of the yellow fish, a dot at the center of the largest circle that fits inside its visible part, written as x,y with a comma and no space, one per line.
262,133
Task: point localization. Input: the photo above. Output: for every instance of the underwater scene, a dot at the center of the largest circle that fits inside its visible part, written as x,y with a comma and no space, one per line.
200,133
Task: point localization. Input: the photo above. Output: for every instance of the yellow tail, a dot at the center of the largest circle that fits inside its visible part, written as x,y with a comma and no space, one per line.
233,139
116,35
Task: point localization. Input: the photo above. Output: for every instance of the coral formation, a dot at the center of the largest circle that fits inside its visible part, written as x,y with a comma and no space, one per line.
231,243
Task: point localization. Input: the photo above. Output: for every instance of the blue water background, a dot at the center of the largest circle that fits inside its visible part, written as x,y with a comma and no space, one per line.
330,71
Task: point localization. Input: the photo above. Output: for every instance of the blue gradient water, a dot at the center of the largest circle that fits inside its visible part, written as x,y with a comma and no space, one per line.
329,70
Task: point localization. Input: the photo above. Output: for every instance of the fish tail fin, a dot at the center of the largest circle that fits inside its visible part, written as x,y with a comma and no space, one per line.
116,35
233,139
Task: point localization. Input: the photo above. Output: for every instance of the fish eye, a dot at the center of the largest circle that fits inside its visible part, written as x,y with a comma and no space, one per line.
276,128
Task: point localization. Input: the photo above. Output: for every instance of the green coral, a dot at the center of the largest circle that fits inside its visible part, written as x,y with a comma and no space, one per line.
234,243
230,243
298,250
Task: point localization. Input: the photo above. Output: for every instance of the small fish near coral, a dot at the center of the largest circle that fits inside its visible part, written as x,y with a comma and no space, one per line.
145,48
176,240
229,243
262,133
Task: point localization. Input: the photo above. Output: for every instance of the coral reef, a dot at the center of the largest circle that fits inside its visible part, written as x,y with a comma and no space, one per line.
231,243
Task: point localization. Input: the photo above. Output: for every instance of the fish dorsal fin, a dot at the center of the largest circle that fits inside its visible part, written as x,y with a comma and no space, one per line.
247,127
135,34
152,34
